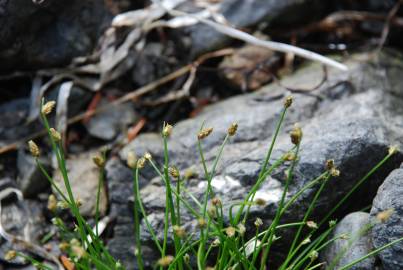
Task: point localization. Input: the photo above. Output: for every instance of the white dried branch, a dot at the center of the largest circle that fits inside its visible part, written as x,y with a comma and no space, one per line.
272,45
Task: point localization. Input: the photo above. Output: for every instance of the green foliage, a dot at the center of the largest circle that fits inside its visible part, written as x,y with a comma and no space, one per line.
219,245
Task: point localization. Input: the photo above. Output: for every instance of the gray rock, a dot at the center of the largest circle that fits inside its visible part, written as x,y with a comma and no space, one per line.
389,196
354,117
84,180
30,179
48,34
355,245
109,123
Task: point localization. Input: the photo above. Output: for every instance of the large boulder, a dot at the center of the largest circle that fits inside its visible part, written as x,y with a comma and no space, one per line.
352,118
389,198
356,243
49,33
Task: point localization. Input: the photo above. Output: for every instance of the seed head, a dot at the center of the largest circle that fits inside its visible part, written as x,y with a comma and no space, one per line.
78,251
212,211
33,148
230,231
216,202
216,242
330,164
306,241
48,107
241,229
385,215
393,150
260,202
313,255
201,222
55,135
288,102
232,129
258,222
141,163
62,205
79,202
186,258
345,236
99,161
174,172
289,156
148,156
189,173
52,203
167,130
296,135
334,172
204,133
179,231
165,261
332,223
63,246
10,255
131,160
311,224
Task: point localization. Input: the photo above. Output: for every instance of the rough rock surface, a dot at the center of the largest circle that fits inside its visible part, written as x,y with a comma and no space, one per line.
356,244
48,34
84,179
354,117
390,196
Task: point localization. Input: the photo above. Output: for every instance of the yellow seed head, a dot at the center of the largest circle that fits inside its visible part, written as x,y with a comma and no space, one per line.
241,229
260,202
33,148
306,241
204,133
296,135
216,242
289,156
189,173
148,156
334,172
55,135
216,202
64,246
186,258
174,172
212,211
232,129
179,231
311,224
230,231
258,222
329,164
385,215
332,223
345,236
141,163
167,130
165,261
288,102
52,203
62,205
48,107
393,150
131,160
201,222
78,251
99,161
313,255
10,255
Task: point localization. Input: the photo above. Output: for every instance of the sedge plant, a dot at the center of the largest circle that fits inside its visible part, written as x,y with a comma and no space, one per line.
221,239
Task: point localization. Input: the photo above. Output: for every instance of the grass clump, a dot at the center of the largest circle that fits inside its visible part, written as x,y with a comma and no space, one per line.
217,243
